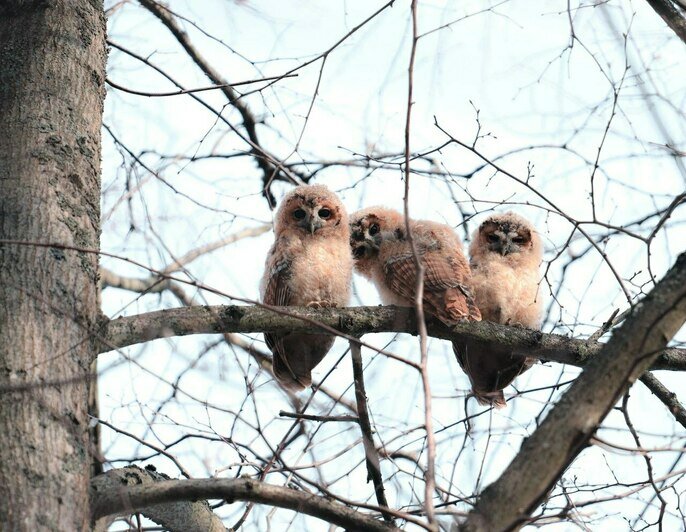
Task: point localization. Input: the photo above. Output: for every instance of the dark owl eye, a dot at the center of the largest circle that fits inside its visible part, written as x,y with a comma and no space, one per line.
493,238
298,214
359,252
373,229
518,240
324,213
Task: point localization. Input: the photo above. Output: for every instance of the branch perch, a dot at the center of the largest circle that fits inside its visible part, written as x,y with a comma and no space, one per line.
354,321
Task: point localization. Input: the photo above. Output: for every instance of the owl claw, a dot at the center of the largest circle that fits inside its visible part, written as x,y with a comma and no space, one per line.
320,304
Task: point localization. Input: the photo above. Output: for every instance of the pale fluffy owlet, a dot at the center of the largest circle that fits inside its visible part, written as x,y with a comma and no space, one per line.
505,257
309,265
383,254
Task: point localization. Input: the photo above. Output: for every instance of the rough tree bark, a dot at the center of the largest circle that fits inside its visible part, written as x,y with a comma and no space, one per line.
673,12
53,55
183,515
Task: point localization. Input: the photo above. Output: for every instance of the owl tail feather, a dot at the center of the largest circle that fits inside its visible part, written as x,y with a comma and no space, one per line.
287,378
495,399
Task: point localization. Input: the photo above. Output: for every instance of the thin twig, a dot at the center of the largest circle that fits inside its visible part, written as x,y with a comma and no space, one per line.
147,444
556,209
323,419
188,91
419,289
270,165
646,457
605,327
372,457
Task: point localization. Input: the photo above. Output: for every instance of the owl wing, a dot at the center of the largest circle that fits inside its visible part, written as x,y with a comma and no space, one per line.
447,294
277,292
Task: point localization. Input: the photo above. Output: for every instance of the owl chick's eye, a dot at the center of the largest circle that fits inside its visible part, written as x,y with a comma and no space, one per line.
493,238
373,229
298,214
359,252
324,213
518,240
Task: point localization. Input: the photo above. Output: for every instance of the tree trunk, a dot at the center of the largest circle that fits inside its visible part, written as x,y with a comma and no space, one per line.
52,66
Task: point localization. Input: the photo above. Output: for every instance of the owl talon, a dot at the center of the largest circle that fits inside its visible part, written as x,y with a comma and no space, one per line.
320,304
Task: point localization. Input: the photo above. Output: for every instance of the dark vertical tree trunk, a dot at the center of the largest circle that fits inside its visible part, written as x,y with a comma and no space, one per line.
52,67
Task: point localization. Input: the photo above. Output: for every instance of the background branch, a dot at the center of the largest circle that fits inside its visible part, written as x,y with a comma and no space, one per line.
667,397
371,456
673,12
107,499
182,515
269,164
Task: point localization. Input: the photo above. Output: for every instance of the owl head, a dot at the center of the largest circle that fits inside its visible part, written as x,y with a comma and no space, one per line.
369,228
311,210
506,235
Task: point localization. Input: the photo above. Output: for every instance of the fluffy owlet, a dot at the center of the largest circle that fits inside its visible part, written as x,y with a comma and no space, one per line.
505,256
383,254
309,264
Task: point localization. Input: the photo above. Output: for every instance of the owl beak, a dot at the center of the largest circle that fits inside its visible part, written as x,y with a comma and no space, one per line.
313,225
372,242
506,249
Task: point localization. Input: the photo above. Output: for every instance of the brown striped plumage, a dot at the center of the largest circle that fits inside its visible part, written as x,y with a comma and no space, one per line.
384,255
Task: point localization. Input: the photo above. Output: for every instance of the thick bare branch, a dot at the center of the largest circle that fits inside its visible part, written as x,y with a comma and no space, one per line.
354,321
673,12
122,499
544,456
187,515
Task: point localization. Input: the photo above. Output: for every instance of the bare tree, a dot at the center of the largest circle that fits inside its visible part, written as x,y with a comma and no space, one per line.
213,112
